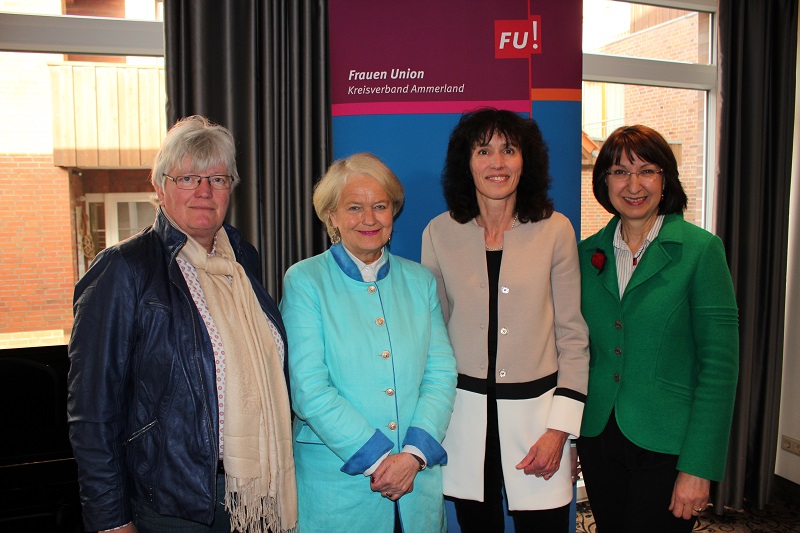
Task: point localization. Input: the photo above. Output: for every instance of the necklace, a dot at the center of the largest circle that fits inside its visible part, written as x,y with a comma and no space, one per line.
513,223
638,254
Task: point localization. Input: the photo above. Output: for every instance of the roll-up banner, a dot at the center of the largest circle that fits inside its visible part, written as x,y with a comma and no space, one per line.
402,73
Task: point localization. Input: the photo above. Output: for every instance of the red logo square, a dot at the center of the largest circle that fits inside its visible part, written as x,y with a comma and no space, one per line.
517,38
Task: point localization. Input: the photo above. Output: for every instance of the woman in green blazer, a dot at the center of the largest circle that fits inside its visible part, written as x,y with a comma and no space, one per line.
663,324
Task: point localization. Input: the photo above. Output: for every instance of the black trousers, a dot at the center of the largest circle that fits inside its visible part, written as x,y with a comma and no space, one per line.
629,488
488,516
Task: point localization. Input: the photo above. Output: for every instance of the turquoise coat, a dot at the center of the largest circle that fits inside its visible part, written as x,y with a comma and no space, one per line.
371,370
665,357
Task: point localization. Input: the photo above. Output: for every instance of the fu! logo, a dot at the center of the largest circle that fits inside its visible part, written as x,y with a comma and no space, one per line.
517,38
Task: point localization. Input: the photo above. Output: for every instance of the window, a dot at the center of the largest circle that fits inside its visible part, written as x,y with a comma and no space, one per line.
603,108
651,65
83,114
106,219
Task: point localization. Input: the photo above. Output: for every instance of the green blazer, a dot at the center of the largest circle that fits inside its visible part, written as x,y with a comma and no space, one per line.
665,357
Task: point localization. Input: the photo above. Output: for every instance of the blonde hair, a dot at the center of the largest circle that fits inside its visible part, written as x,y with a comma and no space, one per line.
328,190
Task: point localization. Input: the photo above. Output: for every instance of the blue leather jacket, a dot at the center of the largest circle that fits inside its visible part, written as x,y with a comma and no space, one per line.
142,407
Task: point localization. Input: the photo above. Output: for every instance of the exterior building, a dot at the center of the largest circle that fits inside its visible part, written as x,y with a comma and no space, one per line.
77,140
678,114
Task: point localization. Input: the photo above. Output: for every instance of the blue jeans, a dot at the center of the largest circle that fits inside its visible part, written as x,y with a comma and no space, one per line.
147,520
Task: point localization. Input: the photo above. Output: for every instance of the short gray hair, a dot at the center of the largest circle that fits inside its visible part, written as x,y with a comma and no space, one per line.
204,143
328,190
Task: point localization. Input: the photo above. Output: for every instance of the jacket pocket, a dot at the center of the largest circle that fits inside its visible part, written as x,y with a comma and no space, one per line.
139,432
678,389
676,374
306,435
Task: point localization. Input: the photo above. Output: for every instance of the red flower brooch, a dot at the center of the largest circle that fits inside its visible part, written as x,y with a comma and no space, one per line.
599,260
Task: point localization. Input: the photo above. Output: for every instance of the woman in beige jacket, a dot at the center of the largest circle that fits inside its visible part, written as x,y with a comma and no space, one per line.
509,282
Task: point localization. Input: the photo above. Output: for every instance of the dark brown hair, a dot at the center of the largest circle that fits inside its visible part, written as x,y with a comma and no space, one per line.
646,144
476,129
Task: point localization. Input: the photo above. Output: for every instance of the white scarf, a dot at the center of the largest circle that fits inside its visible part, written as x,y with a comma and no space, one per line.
260,487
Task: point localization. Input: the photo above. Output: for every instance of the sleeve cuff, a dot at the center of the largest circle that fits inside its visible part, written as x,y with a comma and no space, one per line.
565,415
368,455
413,450
116,528
427,447
369,471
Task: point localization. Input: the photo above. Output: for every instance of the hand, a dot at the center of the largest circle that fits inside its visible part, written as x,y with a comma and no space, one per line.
689,495
544,458
394,477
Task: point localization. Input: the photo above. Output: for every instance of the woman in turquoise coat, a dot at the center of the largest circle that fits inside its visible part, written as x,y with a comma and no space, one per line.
372,372
663,325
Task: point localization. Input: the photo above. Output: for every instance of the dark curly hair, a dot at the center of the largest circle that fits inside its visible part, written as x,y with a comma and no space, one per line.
646,144
476,128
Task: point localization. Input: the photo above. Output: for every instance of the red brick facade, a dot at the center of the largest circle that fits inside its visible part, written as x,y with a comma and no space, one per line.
37,259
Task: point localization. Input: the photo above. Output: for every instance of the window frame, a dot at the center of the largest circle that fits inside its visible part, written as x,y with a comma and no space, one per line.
67,34
670,74
110,203
111,229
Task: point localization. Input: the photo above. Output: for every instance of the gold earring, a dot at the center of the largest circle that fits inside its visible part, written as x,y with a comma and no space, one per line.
335,236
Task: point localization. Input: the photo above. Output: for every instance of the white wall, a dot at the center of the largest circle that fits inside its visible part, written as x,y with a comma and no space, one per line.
788,465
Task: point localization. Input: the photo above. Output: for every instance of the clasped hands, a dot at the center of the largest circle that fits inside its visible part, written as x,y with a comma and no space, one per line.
394,477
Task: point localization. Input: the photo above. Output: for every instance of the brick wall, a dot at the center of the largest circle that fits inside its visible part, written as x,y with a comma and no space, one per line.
37,257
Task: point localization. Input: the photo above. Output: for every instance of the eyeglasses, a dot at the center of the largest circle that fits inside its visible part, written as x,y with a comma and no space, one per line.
219,182
648,174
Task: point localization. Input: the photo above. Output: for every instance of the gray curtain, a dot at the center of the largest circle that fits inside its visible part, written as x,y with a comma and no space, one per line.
259,68
758,43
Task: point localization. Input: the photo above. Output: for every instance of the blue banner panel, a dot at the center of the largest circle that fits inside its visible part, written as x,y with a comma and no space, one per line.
402,74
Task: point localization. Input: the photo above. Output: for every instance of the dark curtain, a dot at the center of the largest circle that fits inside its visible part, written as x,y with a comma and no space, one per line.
259,68
758,46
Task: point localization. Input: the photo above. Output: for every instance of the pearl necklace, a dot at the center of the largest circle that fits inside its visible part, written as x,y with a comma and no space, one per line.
513,223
